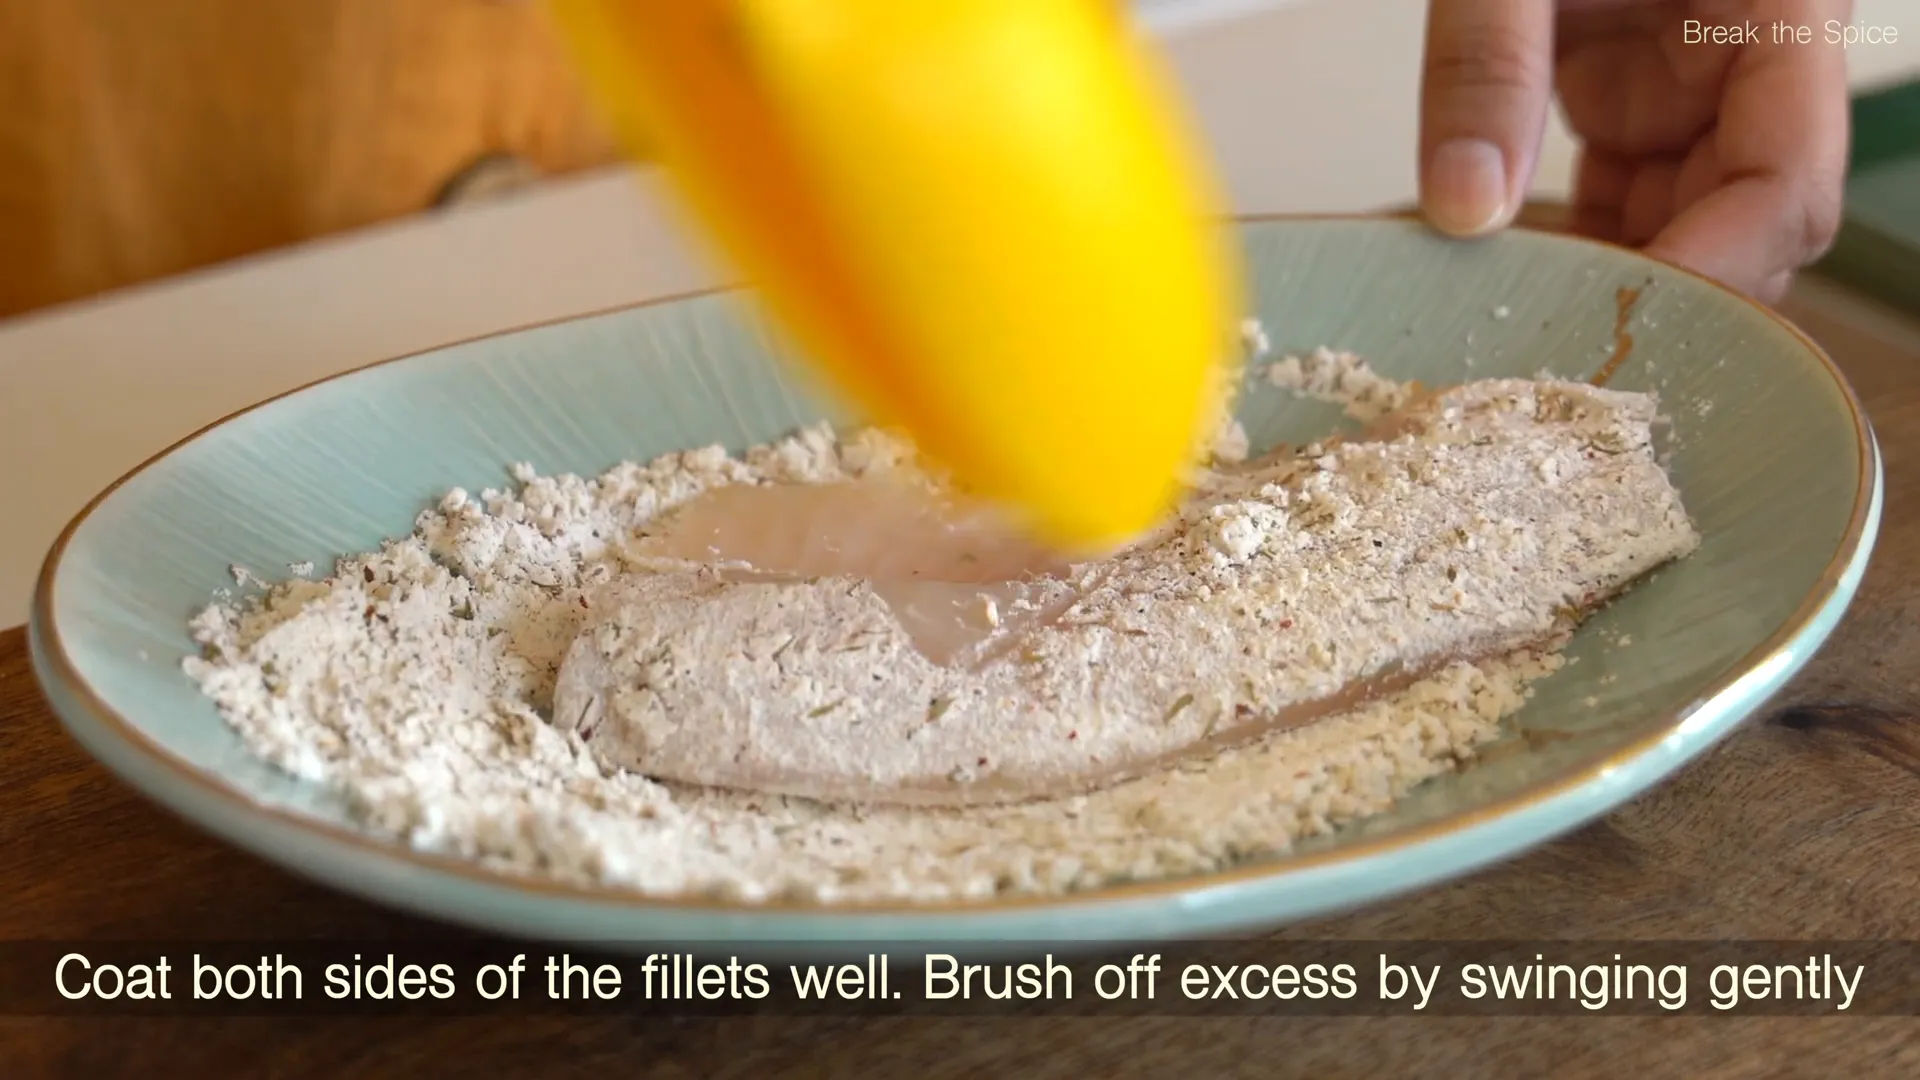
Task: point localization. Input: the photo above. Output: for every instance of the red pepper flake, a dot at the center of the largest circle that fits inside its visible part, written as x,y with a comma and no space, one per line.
982,763
1286,624
1073,735
584,604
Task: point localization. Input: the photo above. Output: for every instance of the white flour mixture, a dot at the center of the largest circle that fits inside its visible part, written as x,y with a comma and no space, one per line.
417,680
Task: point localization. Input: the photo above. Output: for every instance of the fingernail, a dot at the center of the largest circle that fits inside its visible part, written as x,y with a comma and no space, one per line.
1465,192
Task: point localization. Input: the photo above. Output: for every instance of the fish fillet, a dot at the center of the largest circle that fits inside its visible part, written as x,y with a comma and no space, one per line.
848,643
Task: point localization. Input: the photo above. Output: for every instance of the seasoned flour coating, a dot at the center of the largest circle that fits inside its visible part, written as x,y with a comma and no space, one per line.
1480,521
416,681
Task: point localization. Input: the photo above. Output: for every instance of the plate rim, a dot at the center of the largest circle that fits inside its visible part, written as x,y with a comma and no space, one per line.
1853,551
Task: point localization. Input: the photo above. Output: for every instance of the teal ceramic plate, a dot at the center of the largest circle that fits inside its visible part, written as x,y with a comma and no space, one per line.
1769,449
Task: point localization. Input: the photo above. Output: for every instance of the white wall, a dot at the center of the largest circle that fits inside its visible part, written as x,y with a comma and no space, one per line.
1311,104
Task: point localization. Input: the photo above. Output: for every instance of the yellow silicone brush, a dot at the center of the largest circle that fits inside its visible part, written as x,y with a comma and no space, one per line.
986,220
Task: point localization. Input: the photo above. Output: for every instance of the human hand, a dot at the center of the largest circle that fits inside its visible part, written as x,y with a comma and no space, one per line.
1728,159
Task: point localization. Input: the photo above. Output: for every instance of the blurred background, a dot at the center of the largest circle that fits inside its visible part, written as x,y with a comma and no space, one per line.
204,203
144,138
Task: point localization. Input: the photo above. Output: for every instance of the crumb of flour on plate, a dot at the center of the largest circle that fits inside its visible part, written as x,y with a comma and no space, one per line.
1253,338
1344,379
418,681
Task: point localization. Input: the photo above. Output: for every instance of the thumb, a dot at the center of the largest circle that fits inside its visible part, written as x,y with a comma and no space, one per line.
1486,80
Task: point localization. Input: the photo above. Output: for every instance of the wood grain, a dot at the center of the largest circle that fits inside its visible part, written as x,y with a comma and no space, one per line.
140,138
1804,824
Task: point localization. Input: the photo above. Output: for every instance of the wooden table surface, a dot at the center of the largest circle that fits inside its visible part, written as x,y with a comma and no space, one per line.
1804,824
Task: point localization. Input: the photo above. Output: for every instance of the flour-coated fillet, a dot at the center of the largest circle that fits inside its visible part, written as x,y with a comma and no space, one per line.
1289,587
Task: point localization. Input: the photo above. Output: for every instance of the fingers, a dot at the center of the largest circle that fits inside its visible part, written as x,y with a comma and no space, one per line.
1484,90
1781,148
1750,233
1629,81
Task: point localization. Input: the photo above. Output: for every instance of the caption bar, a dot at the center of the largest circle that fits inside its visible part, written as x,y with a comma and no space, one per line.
470,977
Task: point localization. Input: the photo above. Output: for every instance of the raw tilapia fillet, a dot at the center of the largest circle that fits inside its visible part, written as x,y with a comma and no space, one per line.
1479,521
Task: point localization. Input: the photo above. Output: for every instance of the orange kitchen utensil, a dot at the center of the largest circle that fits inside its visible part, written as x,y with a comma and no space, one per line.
988,222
